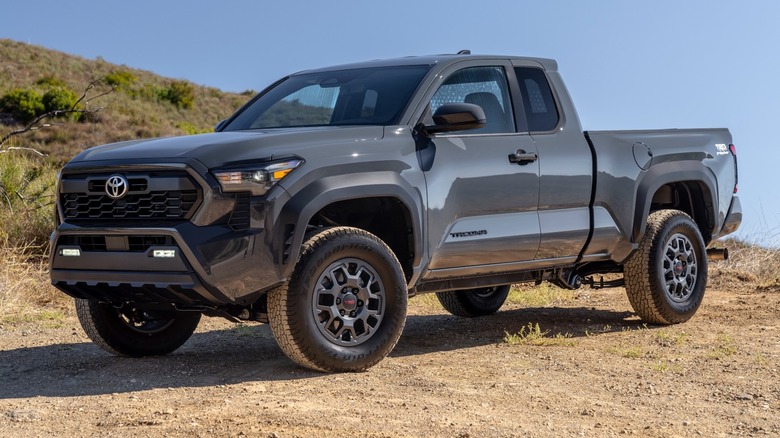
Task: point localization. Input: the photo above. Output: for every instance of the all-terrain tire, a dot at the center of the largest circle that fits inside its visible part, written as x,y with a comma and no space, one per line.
133,332
471,303
344,306
667,275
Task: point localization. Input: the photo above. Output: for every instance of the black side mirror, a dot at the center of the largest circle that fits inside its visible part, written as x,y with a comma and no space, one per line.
456,117
220,125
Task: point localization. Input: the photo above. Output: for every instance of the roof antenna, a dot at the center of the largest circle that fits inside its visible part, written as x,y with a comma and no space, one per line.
464,52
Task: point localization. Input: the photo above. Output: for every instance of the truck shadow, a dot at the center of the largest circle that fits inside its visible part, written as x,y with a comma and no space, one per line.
424,334
248,353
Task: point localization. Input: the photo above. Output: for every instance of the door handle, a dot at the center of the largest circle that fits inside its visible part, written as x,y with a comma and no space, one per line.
522,157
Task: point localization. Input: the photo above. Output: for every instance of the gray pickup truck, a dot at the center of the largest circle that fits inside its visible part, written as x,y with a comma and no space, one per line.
335,194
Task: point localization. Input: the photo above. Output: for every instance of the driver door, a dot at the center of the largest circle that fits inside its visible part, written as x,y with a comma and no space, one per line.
482,203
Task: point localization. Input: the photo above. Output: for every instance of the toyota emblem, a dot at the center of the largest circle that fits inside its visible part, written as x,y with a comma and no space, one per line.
116,186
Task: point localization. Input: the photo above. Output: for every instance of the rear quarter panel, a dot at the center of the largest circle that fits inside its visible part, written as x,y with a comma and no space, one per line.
627,176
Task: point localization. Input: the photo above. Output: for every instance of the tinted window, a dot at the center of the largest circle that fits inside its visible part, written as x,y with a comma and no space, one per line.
540,109
369,96
483,86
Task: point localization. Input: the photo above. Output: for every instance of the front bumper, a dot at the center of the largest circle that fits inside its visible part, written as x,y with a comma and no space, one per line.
199,266
202,260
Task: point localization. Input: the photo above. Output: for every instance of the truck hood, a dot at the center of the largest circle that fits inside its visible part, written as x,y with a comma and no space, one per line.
224,148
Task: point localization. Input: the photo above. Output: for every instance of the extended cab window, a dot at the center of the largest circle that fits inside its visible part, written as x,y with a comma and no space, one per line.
366,96
483,86
540,109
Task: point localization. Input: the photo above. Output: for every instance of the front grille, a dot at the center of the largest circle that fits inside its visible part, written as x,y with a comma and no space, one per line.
142,243
152,205
154,196
135,243
87,243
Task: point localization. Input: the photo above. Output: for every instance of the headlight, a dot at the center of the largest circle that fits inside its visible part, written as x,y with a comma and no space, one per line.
257,180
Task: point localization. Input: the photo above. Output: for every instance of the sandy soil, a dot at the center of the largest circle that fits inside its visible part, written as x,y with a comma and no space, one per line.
598,371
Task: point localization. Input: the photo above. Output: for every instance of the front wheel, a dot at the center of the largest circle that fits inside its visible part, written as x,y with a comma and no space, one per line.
471,303
129,331
667,275
344,306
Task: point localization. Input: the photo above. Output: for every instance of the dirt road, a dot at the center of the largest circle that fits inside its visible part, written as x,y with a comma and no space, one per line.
592,369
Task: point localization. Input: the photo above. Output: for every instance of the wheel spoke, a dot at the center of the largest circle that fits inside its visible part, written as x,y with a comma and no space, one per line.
349,302
679,268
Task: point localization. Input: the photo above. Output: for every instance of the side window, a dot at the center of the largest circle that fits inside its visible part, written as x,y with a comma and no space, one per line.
483,86
540,109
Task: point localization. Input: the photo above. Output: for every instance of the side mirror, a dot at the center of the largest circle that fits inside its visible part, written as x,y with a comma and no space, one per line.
456,117
220,125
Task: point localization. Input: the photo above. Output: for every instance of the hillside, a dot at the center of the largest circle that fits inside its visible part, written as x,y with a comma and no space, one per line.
140,107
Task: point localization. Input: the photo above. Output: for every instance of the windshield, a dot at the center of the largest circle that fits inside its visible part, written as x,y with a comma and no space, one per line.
366,96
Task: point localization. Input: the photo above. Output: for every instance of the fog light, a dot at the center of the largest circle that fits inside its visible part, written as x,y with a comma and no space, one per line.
164,253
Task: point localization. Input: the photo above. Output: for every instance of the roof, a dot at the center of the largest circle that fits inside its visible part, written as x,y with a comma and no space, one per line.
548,64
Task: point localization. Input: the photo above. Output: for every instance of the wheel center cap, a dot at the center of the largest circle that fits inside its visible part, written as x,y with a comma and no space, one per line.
349,302
678,267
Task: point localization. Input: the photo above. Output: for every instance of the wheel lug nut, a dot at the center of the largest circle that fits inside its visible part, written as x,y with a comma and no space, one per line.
354,291
352,313
338,300
360,303
342,312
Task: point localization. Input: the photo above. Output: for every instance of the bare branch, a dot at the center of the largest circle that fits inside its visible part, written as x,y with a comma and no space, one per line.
19,148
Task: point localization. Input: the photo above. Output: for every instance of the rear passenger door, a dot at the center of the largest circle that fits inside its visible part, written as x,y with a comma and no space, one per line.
565,163
481,205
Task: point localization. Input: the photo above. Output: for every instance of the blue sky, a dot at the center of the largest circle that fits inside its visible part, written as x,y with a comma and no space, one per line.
627,64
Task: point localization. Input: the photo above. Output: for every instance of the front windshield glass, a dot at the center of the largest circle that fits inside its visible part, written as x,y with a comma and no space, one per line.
366,96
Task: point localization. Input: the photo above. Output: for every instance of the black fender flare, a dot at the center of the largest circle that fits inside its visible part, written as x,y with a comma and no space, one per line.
662,174
290,227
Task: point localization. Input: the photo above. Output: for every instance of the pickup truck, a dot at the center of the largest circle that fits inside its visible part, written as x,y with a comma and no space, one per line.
336,194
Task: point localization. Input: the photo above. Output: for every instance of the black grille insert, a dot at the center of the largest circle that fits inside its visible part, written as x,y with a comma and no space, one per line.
154,196
87,243
142,243
135,243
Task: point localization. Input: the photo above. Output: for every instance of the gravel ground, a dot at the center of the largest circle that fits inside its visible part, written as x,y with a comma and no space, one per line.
593,370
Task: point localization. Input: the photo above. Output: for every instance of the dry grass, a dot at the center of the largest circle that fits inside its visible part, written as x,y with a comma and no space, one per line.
747,263
25,291
532,334
524,295
542,295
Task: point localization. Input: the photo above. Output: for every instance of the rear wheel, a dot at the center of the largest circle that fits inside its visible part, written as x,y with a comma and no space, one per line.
134,332
474,302
344,307
667,275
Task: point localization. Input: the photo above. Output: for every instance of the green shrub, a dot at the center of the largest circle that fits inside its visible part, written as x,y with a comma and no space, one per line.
122,80
191,129
51,81
59,98
150,92
180,93
23,104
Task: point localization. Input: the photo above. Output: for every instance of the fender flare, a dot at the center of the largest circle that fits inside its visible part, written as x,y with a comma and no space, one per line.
662,174
290,226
